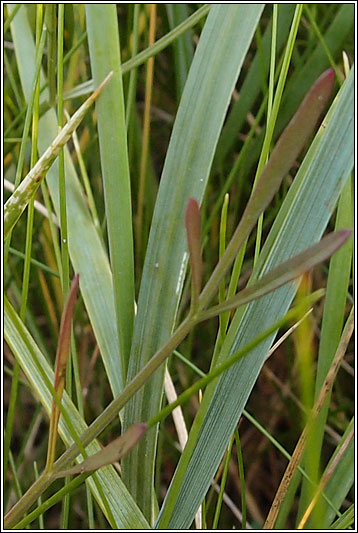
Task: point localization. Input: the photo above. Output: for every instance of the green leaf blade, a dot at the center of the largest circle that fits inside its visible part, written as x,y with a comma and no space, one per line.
302,218
209,86
87,252
127,515
105,57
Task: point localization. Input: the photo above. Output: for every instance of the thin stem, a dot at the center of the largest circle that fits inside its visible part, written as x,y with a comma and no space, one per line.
269,110
146,133
166,40
302,441
40,40
98,425
61,161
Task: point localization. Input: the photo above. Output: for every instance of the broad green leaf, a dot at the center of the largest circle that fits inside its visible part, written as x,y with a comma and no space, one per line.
127,514
193,235
218,58
301,221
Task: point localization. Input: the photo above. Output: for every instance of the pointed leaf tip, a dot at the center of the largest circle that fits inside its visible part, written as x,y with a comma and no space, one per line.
342,236
64,340
114,451
323,87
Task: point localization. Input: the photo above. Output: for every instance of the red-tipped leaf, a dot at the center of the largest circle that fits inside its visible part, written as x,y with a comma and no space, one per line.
288,147
63,350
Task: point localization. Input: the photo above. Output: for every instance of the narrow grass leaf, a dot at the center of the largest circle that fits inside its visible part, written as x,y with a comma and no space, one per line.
127,515
301,220
287,271
227,34
63,350
105,56
114,451
19,199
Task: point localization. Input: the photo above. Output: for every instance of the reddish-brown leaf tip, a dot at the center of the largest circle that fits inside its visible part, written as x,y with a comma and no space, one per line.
322,88
192,207
343,236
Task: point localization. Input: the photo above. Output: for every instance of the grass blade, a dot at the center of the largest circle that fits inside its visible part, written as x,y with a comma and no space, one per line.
105,57
17,202
282,274
114,451
127,515
209,86
62,354
309,204
87,252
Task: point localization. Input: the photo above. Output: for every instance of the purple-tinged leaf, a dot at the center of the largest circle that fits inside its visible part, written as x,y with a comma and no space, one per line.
288,147
287,271
63,350
111,453
64,339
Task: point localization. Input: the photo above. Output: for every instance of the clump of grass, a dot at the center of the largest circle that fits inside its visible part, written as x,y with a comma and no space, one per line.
190,158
